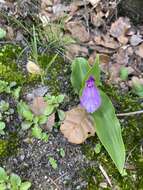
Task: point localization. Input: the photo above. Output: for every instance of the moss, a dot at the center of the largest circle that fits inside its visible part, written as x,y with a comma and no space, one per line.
57,78
58,75
132,132
9,146
9,69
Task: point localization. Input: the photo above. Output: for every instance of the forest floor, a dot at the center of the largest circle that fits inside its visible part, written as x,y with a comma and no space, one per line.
39,30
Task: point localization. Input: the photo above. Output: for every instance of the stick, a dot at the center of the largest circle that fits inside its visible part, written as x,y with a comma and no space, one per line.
105,175
130,113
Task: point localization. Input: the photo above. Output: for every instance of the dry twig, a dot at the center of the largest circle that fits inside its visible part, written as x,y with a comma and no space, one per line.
105,175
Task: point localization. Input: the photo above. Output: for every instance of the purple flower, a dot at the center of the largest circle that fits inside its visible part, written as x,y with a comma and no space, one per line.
90,98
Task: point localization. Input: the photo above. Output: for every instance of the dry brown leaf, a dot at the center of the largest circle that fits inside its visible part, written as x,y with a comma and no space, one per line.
97,19
119,29
78,31
114,72
136,39
122,39
77,126
74,50
139,51
106,41
74,6
104,61
122,56
94,2
33,67
38,105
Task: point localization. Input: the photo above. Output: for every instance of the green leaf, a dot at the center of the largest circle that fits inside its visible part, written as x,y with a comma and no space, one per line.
45,137
37,132
3,186
53,163
124,73
24,111
60,98
79,68
62,152
15,181
61,115
109,132
25,125
48,110
42,119
25,185
137,88
2,33
93,71
16,92
2,125
97,149
3,175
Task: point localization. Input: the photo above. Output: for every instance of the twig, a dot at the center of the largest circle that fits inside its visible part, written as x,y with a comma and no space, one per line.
130,153
105,175
54,183
130,113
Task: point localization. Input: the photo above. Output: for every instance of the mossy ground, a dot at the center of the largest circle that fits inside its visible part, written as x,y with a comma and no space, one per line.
9,146
58,81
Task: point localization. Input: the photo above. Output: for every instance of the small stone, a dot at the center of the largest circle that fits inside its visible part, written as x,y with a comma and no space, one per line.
22,157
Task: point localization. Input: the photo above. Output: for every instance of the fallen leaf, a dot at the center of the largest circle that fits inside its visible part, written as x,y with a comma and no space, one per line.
121,57
114,72
104,61
106,41
139,50
78,31
33,67
136,39
119,29
77,126
74,50
38,106
94,2
97,19
74,6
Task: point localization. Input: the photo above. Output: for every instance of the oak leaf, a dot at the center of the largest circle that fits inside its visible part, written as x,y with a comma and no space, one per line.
77,126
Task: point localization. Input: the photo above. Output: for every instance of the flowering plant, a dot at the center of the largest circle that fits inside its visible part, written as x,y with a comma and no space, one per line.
86,82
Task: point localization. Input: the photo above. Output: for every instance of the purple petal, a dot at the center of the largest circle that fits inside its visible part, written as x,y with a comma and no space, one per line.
90,98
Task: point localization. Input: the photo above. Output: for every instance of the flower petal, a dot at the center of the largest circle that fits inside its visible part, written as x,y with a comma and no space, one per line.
90,98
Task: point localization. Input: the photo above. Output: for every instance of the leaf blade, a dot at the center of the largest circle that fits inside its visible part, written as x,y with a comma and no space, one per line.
79,67
109,132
